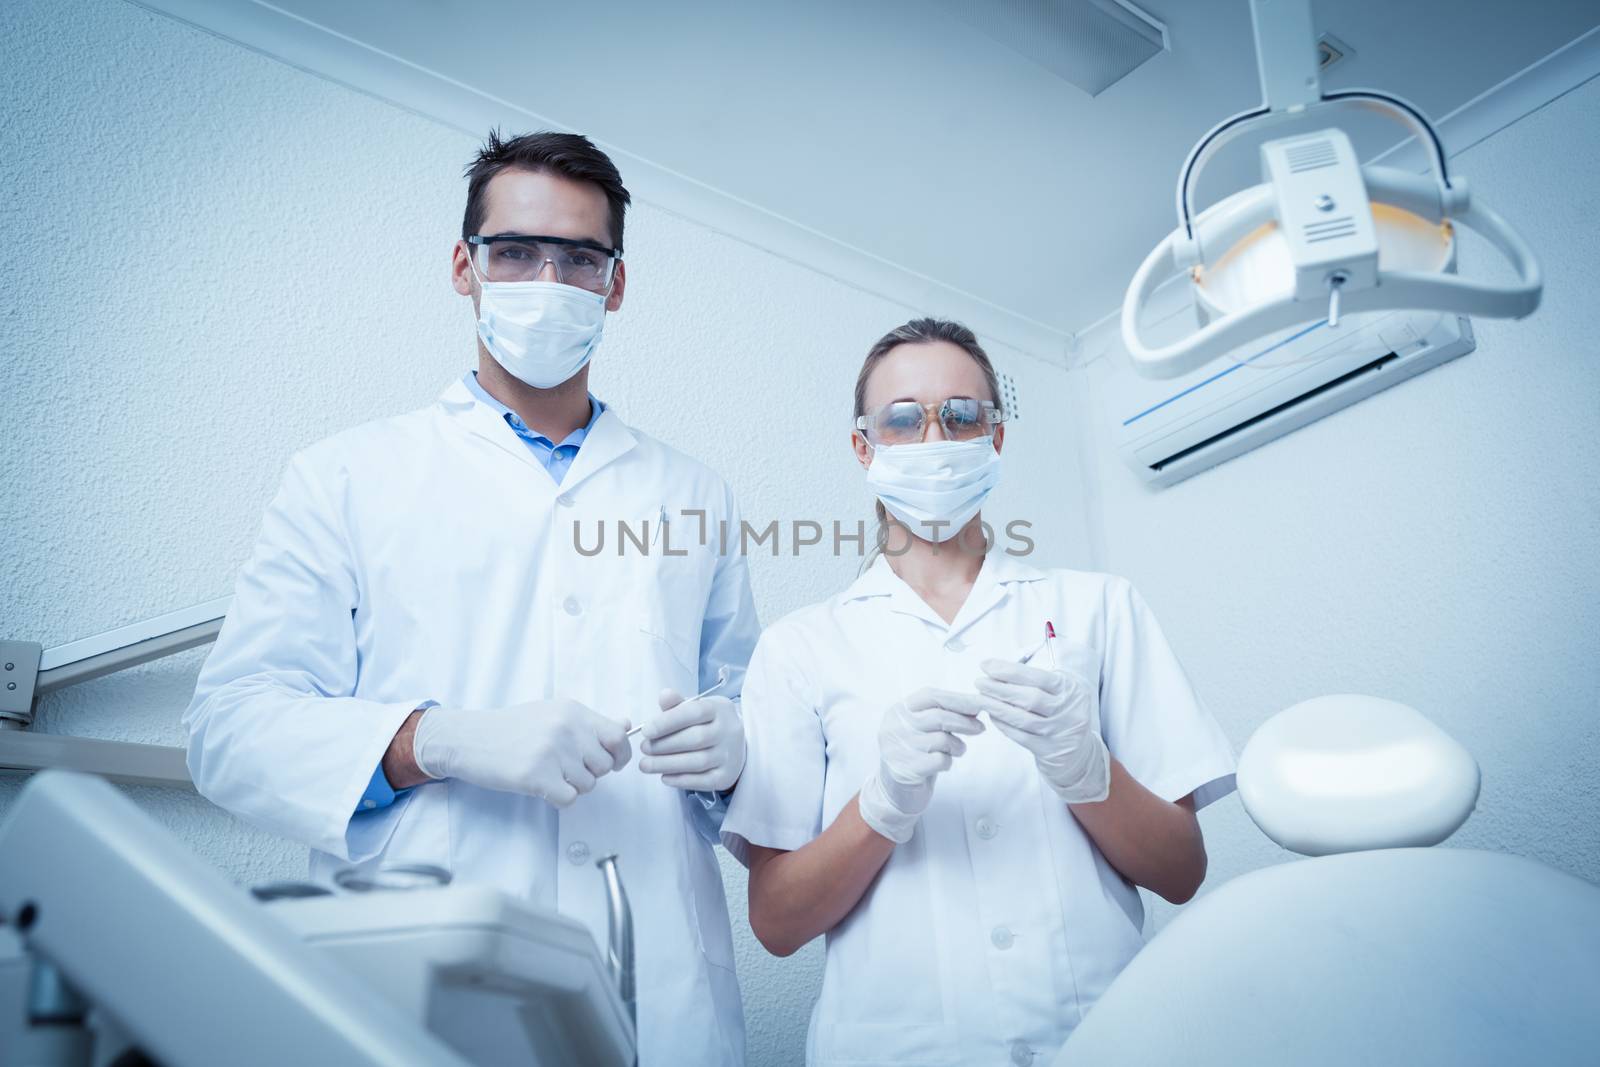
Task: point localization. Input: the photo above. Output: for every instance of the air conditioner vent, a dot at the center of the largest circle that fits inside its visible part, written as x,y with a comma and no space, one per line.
1249,397
1311,394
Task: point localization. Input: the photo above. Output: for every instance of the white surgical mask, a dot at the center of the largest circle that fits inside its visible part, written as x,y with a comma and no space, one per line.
935,482
541,332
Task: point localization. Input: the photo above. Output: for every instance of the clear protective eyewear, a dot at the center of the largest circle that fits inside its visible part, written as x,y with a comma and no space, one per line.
905,422
517,257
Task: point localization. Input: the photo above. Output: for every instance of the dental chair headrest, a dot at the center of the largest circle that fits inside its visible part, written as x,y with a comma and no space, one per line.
1347,773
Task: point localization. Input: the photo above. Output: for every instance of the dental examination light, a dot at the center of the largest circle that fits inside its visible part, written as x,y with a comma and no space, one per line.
1322,237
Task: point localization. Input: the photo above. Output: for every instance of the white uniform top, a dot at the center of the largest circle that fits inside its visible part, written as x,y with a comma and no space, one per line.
431,556
988,935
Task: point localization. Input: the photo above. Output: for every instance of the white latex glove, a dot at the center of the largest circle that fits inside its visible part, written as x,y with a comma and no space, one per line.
554,749
695,744
917,741
1052,714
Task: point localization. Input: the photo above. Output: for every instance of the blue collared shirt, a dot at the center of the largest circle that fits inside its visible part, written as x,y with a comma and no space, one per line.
556,459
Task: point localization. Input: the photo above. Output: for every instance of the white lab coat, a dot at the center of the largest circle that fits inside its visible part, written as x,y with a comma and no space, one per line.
987,936
430,557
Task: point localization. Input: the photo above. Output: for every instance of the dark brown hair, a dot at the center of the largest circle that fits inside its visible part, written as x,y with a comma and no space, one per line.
570,155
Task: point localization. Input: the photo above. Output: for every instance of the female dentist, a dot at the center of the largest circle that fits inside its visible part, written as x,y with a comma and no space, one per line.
975,880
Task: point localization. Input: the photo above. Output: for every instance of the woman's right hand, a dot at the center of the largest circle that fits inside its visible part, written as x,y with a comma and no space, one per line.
918,738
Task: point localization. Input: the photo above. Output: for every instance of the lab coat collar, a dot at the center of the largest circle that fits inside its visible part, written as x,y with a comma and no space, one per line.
608,437
998,573
1007,568
998,567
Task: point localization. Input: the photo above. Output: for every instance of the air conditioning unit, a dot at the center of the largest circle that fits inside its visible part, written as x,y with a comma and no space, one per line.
1171,429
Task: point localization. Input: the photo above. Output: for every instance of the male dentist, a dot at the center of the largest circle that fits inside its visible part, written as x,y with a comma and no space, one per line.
419,664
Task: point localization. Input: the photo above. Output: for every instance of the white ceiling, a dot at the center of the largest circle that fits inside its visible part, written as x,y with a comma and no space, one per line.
893,127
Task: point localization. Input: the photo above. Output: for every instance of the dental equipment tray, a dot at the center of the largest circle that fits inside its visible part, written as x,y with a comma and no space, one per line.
499,981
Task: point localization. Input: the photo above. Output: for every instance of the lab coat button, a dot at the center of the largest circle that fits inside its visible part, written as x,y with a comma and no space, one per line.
987,829
571,605
565,500
955,644
1002,939
577,853
1021,1054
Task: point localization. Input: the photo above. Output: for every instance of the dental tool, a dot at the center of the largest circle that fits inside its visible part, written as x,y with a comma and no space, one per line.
722,680
1049,643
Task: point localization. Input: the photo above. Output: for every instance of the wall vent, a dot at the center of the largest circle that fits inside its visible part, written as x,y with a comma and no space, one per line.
1331,50
1008,397
1092,44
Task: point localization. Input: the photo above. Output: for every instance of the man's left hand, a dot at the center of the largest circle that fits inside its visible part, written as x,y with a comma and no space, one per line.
695,744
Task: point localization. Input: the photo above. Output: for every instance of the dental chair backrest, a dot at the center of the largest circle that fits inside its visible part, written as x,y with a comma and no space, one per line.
1415,956
1373,952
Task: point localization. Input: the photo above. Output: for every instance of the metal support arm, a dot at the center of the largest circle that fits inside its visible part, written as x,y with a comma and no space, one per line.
27,670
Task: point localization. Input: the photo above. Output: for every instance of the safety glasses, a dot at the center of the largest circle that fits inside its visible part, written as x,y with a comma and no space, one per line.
905,422
517,257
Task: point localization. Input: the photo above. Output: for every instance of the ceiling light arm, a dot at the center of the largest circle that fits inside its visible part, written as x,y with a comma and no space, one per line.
1409,116
1218,136
1286,54
1291,87
1452,197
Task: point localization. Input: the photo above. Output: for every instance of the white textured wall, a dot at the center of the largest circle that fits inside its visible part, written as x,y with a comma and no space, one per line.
1435,544
218,259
